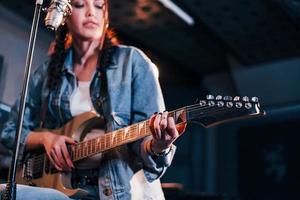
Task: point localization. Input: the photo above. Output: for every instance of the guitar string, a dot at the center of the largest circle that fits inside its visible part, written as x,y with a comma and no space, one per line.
192,110
132,129
213,109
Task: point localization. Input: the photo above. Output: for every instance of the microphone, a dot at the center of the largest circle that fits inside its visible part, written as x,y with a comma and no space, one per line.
57,13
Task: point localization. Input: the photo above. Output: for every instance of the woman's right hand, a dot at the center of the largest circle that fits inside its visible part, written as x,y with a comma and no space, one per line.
55,147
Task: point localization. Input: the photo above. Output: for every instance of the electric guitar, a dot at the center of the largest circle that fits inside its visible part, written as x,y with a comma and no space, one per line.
88,130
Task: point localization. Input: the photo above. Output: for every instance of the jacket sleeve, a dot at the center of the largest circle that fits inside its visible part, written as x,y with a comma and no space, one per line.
147,99
31,114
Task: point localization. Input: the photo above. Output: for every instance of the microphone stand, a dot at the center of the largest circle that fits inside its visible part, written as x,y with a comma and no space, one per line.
10,190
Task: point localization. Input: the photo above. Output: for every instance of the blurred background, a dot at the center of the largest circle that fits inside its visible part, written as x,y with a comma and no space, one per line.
219,47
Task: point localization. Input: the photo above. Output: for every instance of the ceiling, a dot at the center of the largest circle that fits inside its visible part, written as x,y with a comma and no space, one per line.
250,31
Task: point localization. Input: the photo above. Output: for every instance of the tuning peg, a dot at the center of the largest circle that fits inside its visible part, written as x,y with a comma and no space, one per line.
210,97
254,99
219,97
236,98
44,10
227,98
245,99
229,104
211,103
238,104
248,105
220,103
202,103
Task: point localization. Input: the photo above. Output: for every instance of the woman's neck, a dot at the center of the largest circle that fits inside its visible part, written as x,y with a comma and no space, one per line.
85,51
86,55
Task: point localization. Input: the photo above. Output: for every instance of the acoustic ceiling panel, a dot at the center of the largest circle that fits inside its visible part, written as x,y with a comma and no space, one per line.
253,31
258,31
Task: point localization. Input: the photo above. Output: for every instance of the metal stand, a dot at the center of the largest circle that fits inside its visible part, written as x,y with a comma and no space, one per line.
10,191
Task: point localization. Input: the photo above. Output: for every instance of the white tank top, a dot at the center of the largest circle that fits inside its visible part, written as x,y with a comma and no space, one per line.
80,101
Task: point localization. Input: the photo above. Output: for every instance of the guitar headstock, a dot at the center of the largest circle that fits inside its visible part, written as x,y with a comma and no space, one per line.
219,109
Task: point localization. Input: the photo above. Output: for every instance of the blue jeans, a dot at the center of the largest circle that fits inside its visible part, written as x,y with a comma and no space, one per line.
36,193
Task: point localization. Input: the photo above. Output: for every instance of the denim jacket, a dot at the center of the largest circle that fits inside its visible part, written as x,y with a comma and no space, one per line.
133,95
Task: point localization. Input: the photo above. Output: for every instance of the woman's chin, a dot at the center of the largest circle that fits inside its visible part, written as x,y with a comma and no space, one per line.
90,37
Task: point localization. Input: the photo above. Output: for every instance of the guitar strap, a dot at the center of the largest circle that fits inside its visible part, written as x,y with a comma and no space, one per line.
103,82
105,61
45,94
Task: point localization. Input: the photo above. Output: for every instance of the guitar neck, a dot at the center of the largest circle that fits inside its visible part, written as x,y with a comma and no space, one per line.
207,113
119,137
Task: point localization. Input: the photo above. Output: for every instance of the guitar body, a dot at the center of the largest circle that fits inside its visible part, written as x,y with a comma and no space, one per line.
40,173
59,181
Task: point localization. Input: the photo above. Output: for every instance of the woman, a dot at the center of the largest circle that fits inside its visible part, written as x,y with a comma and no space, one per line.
88,72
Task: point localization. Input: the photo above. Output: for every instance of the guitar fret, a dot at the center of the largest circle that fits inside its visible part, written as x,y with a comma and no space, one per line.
73,155
140,128
131,134
93,146
81,151
107,141
76,152
102,143
97,145
126,135
147,130
73,150
145,127
119,136
135,128
134,134
113,136
88,147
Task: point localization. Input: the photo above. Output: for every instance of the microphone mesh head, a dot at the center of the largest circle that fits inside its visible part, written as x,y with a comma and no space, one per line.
57,12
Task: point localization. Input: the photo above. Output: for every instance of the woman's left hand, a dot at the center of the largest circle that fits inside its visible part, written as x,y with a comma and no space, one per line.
164,132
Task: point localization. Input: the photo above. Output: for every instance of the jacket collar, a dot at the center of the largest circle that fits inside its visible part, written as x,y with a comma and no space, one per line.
68,63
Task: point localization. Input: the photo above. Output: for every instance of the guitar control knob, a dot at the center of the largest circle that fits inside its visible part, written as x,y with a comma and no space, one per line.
248,105
238,104
210,97
254,99
245,99
229,104
219,97
236,98
227,98
220,103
